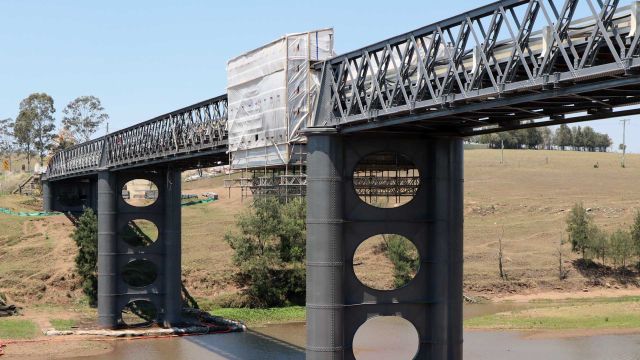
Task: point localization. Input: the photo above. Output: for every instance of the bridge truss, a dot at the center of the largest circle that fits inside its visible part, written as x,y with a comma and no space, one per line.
508,65
196,130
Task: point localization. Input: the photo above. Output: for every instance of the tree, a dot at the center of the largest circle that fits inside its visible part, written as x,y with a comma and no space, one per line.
83,117
603,142
503,274
635,232
269,251
578,138
547,137
404,257
563,137
599,245
621,247
532,138
589,138
64,140
23,133
6,138
579,226
37,116
86,238
562,271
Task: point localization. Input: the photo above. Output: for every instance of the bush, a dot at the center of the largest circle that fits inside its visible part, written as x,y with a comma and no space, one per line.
579,226
86,238
270,252
621,247
635,233
404,257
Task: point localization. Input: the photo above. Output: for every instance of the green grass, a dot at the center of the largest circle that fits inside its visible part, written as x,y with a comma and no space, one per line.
263,316
63,324
582,314
17,329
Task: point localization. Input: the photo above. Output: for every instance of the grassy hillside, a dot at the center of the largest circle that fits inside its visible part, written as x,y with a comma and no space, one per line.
529,196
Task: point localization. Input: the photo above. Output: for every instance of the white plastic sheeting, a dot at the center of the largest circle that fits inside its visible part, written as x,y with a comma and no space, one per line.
272,92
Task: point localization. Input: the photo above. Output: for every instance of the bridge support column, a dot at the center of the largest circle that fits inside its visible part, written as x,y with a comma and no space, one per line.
139,268
339,220
47,196
325,267
108,312
172,247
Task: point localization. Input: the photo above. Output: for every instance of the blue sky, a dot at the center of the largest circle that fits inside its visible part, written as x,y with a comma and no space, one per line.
146,58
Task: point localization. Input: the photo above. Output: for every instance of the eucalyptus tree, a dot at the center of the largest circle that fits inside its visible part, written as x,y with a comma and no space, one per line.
35,125
84,116
7,142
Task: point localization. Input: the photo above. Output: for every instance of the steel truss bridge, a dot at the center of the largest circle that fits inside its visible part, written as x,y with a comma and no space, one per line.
512,64
197,131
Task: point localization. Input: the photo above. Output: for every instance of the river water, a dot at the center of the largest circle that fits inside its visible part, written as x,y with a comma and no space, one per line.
286,341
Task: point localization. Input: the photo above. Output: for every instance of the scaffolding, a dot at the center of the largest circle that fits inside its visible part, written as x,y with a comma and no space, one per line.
269,182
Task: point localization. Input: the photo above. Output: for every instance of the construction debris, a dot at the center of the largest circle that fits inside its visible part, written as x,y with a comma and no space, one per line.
208,324
7,310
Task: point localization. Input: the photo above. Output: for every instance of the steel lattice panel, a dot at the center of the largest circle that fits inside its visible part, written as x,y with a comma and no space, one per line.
491,68
197,128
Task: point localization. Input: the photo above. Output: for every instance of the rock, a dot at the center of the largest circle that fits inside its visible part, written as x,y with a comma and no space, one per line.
585,290
607,285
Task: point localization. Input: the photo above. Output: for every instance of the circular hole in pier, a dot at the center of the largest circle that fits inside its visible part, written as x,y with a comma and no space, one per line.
139,313
140,192
386,179
140,273
139,233
386,262
386,337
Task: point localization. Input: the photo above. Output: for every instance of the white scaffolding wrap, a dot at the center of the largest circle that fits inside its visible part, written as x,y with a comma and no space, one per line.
272,92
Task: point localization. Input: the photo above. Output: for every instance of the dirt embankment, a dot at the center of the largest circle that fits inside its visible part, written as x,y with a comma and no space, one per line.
529,197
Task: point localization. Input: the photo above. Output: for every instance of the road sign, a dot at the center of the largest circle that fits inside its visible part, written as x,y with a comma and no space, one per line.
5,165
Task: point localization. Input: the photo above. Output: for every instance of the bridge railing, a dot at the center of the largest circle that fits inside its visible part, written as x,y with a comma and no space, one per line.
507,48
194,128
77,159
198,127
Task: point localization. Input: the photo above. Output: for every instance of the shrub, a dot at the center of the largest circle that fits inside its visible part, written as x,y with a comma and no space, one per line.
579,225
599,244
404,257
621,247
270,252
635,233
86,238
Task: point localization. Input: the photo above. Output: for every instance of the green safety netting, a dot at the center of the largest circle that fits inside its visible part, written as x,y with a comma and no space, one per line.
44,213
205,201
25,213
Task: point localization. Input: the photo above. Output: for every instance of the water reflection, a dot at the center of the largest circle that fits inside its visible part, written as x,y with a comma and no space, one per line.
286,341
233,346
510,345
